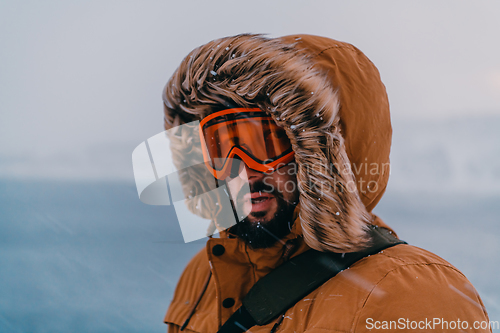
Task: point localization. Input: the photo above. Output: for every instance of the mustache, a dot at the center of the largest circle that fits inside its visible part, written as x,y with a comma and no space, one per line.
258,186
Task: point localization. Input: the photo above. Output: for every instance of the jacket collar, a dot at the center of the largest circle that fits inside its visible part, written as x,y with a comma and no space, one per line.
237,251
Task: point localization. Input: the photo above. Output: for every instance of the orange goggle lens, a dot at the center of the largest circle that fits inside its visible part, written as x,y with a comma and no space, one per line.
250,134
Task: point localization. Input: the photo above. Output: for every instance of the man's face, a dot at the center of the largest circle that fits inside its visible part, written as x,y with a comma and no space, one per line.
269,206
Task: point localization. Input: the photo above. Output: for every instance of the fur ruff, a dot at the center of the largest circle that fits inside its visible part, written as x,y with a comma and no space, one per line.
254,71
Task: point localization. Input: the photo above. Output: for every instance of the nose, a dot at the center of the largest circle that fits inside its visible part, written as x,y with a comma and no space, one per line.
251,175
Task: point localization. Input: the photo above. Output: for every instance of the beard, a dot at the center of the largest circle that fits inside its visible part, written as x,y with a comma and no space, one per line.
259,232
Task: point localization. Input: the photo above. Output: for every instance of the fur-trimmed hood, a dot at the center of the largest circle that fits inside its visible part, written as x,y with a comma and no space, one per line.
329,98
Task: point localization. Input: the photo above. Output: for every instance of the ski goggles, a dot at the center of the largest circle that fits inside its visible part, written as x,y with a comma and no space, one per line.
248,134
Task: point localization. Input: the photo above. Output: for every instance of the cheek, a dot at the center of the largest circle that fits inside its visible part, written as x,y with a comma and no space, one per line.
234,186
287,185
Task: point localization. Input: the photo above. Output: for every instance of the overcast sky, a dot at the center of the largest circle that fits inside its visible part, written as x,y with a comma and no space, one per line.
81,81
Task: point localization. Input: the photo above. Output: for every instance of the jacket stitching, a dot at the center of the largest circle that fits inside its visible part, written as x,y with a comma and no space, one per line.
308,311
254,271
218,291
396,258
331,47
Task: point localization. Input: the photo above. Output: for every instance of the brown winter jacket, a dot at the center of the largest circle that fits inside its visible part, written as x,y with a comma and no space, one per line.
329,98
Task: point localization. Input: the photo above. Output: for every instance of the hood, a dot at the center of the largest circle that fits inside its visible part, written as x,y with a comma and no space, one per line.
329,98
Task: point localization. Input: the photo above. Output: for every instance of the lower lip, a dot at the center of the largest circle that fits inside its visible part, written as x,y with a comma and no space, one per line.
262,205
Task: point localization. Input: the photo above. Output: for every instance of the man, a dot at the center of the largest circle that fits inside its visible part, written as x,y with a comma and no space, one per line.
328,99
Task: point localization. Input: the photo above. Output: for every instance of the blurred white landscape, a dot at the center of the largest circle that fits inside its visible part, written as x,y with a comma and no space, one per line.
453,155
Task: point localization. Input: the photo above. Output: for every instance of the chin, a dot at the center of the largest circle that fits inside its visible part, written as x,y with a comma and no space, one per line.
263,229
261,216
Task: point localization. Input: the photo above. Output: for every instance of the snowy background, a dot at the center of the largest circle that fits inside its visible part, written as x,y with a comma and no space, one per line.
80,86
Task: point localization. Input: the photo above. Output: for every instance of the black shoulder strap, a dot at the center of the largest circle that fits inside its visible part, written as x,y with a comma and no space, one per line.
279,290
